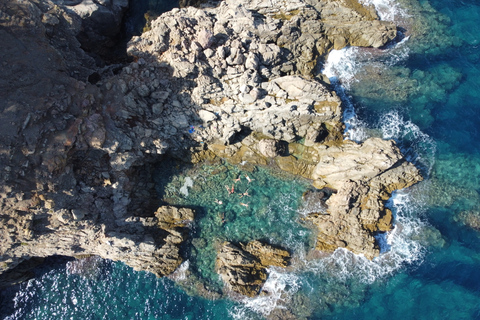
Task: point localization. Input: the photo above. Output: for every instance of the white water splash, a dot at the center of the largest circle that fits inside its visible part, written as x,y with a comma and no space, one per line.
421,147
386,9
180,274
404,249
276,292
342,65
396,52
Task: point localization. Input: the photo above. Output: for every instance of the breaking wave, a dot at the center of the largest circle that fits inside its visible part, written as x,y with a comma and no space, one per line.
386,9
403,248
417,146
276,292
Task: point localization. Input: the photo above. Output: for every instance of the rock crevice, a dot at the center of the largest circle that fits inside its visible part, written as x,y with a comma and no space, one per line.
238,81
243,268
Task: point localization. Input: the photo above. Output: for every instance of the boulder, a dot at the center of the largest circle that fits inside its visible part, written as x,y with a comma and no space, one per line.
243,268
207,116
271,148
267,254
352,161
95,132
356,211
101,22
315,135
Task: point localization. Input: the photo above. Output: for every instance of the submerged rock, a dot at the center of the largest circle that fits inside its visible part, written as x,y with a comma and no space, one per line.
470,219
88,266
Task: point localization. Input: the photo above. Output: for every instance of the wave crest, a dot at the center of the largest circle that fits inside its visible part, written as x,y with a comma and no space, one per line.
276,293
404,248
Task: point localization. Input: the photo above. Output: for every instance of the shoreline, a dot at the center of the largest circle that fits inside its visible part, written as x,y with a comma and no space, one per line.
196,91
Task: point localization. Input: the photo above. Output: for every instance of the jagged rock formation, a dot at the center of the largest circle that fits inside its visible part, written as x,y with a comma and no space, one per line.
244,269
362,176
357,211
150,244
241,62
98,23
205,83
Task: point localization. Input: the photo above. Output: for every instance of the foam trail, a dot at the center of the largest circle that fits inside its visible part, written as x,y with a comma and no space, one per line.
341,67
404,249
277,290
386,9
417,147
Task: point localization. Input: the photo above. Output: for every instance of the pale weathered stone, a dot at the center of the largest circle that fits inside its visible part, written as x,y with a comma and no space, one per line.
206,116
271,148
243,268
253,75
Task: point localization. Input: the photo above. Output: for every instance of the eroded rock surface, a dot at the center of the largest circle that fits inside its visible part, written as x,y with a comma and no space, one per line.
150,244
78,142
243,268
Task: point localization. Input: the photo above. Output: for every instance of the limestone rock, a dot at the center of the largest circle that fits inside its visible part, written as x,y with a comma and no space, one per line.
207,116
357,211
95,131
172,217
268,255
78,156
352,161
271,148
151,244
315,135
243,269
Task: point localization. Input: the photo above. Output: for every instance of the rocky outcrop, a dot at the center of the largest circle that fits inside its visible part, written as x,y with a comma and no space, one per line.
244,269
362,178
151,244
271,148
98,23
357,210
78,140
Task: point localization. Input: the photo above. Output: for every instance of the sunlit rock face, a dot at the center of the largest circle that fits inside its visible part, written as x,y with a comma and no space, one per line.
238,81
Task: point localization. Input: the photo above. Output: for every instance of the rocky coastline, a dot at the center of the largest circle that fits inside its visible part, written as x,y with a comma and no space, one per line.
239,81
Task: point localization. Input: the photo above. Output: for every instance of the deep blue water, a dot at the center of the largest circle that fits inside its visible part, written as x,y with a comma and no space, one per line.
428,100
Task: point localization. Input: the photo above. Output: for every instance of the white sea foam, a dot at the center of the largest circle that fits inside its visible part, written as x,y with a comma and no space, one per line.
355,129
342,65
277,290
419,147
404,249
180,273
396,53
187,184
386,9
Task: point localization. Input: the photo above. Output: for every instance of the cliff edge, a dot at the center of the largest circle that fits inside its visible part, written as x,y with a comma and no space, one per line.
80,138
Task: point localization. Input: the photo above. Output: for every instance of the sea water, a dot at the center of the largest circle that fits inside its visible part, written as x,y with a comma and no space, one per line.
422,91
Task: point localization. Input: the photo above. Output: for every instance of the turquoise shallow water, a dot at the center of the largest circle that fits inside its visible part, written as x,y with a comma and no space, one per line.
428,100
